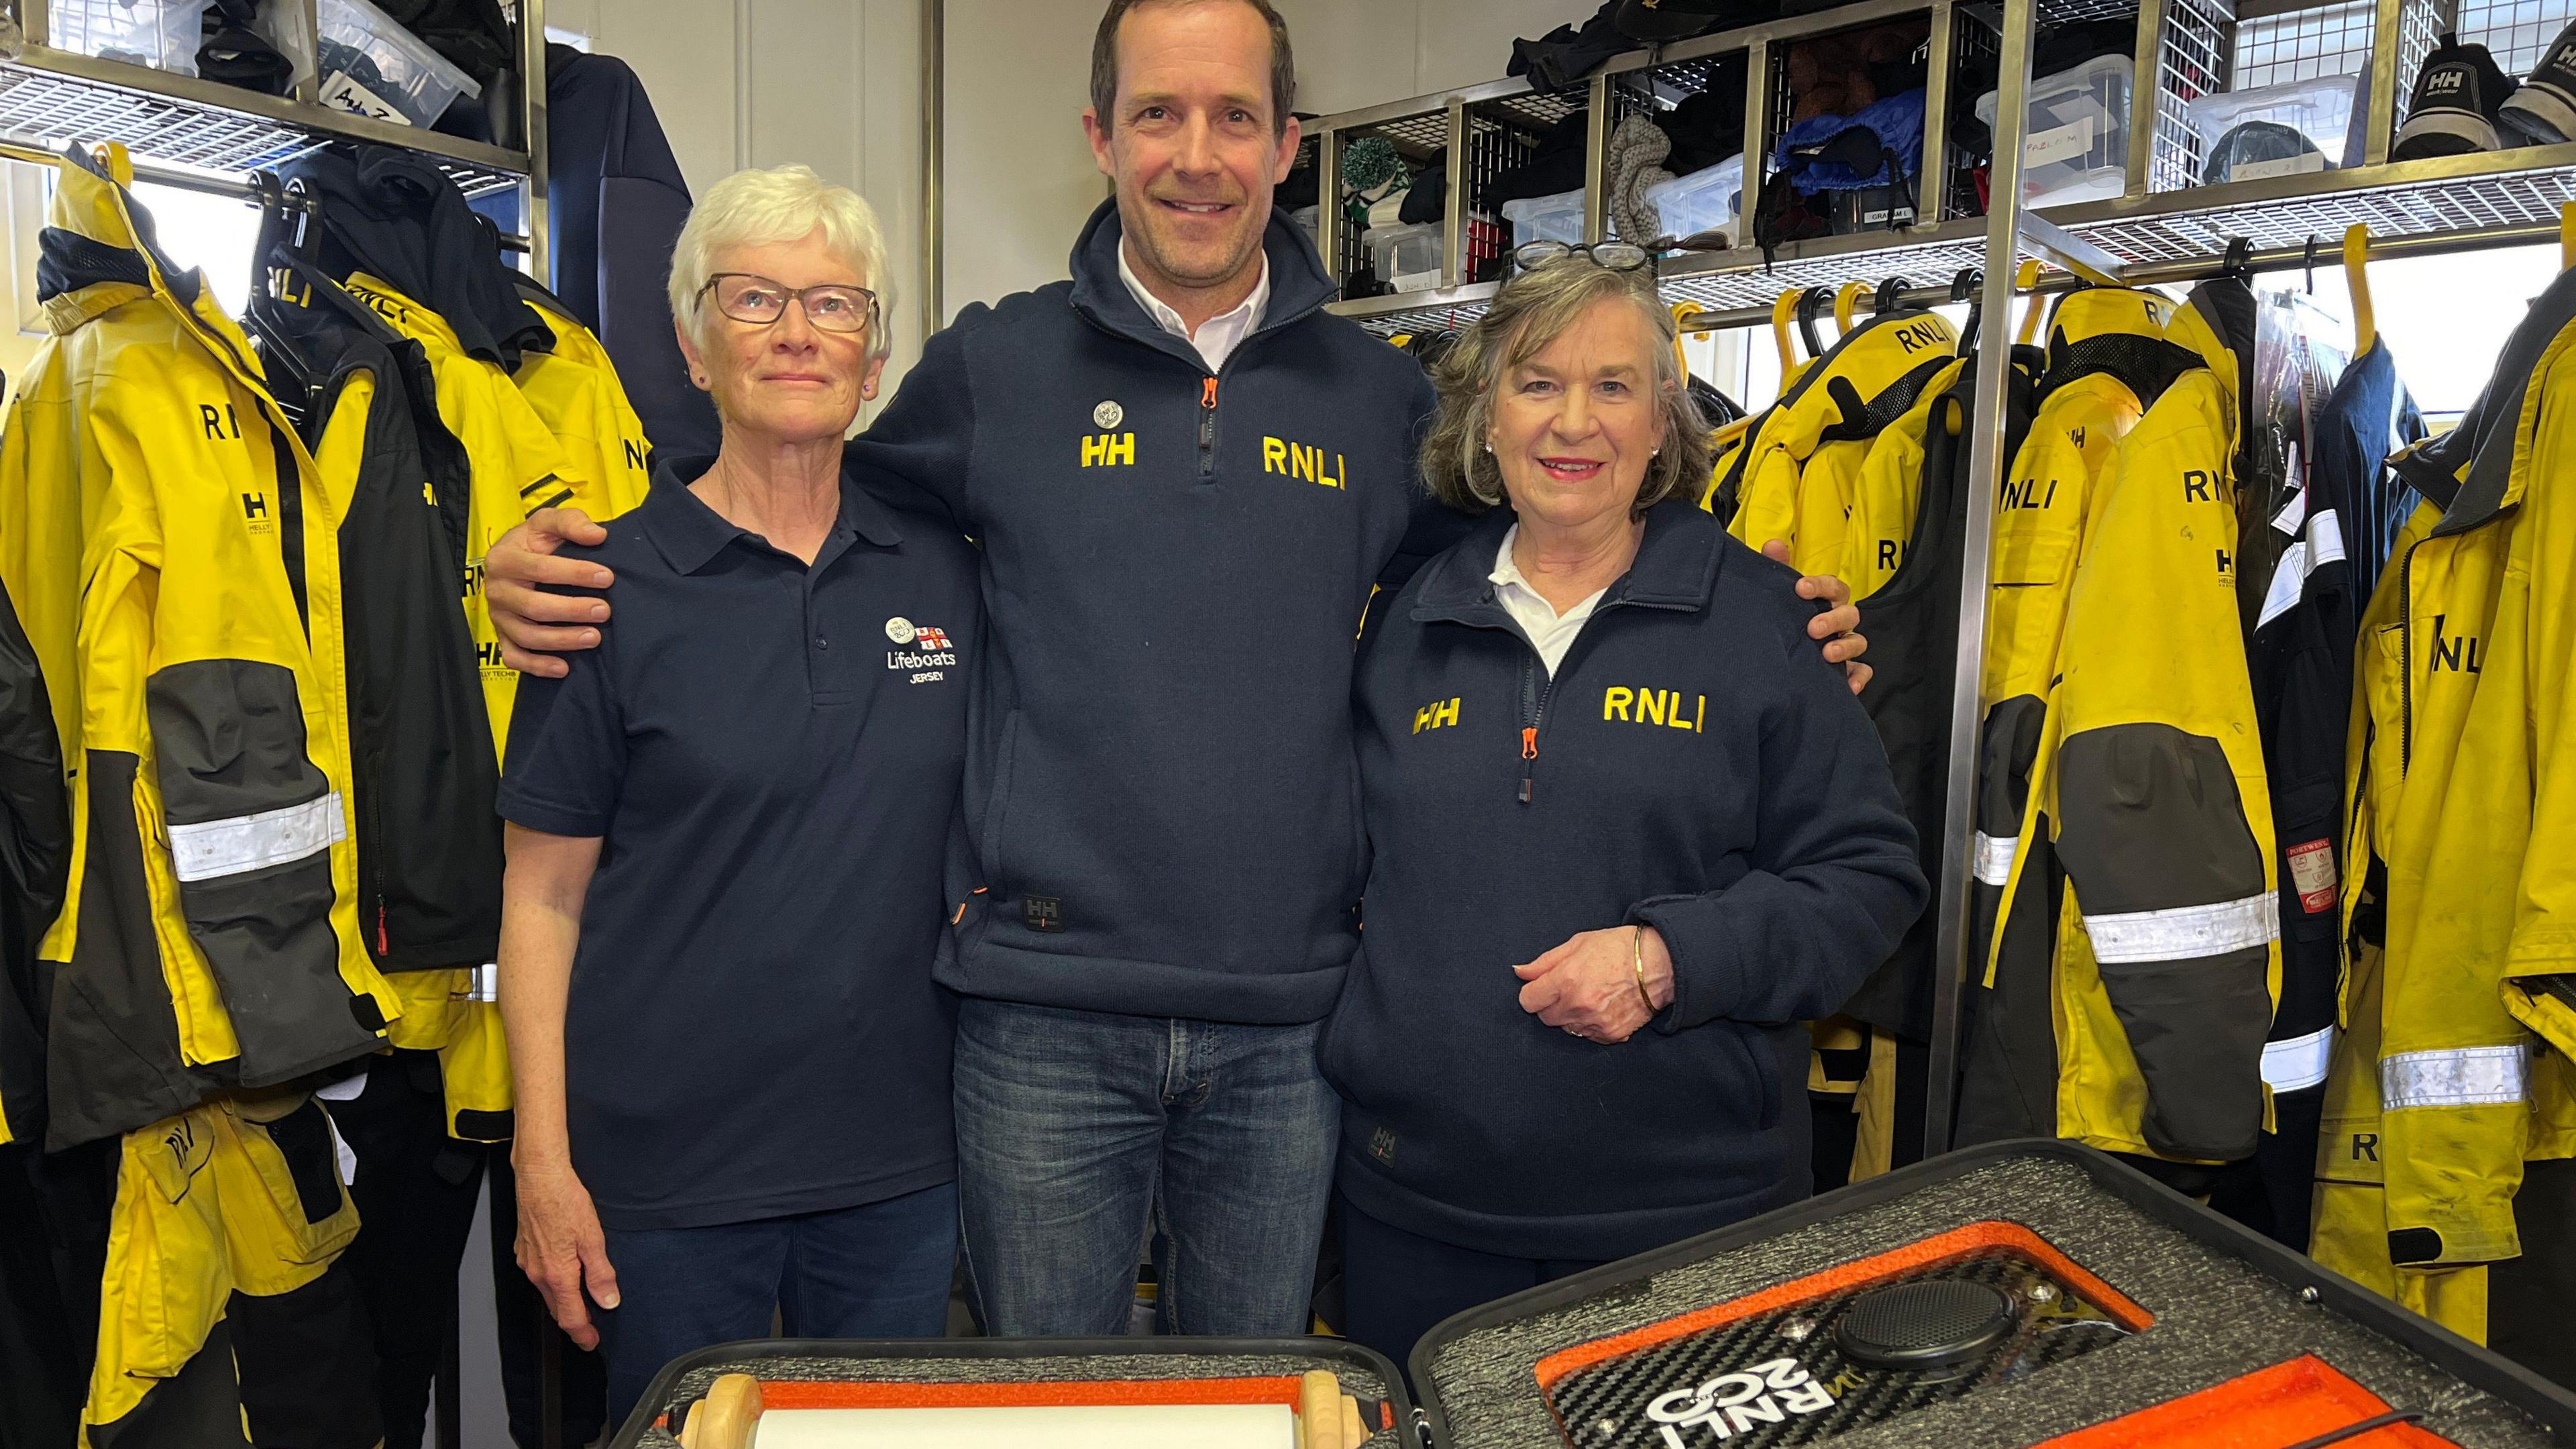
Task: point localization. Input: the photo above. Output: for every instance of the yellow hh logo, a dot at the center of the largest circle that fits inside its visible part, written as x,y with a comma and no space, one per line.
1435,714
1653,706
1296,460
1107,450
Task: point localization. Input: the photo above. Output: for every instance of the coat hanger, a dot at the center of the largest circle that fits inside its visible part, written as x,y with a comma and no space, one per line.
2027,281
2356,257
1810,302
288,235
1963,288
1891,295
1781,308
1845,302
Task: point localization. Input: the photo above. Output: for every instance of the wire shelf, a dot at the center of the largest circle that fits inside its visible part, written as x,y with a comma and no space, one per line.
2305,44
2192,60
51,109
2463,204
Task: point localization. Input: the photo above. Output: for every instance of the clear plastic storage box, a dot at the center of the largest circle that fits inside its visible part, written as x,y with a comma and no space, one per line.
371,66
1710,199
163,34
1546,218
2320,110
2077,147
1406,258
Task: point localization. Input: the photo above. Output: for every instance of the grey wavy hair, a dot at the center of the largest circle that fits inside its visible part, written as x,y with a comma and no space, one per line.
1532,310
758,205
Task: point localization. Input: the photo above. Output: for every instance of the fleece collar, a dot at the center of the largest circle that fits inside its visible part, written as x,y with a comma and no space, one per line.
1299,286
1676,568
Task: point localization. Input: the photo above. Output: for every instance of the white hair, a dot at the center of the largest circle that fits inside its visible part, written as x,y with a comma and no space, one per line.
760,205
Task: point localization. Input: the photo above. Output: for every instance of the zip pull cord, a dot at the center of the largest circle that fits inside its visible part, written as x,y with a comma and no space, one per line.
1529,742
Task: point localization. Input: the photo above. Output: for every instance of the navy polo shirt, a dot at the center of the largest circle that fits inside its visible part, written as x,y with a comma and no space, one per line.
771,752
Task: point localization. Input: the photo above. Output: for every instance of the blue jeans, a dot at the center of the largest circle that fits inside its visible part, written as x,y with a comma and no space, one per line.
880,1270
1076,1130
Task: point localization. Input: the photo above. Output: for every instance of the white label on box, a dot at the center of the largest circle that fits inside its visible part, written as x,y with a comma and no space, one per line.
343,94
1904,214
2298,165
2060,144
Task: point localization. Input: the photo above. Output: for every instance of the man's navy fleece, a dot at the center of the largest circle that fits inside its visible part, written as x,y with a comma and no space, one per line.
1697,768
1161,814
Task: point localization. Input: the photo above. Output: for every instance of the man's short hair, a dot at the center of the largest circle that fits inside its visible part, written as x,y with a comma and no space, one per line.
1104,61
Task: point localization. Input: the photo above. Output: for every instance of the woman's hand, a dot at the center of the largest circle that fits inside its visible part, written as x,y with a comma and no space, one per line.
536,625
1838,626
562,1250
1588,986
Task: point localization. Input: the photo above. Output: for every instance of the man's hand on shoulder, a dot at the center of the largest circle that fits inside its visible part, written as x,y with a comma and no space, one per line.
536,624
1838,626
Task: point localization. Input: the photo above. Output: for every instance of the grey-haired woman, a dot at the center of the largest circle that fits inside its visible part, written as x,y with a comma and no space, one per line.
1628,828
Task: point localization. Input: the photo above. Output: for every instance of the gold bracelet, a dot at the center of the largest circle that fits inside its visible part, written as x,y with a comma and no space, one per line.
1637,947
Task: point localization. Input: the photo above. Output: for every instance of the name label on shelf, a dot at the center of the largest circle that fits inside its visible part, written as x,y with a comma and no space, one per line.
2286,166
2069,142
343,94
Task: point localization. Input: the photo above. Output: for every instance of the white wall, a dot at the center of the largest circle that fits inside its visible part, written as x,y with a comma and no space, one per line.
835,84
1353,53
1018,180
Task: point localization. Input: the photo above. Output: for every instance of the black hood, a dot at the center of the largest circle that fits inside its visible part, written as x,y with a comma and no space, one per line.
395,216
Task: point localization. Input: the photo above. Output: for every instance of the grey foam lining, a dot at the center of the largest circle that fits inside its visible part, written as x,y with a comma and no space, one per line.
1358,1382
2215,1318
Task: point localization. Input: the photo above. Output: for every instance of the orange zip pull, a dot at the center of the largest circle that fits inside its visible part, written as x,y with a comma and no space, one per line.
1207,393
384,941
1529,743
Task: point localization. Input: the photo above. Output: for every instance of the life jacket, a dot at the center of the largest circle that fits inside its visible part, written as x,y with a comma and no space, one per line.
1793,476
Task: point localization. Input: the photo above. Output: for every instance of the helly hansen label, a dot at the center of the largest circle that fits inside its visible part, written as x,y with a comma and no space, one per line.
2312,871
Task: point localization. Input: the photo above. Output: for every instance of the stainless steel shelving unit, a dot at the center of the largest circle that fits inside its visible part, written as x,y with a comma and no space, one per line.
2162,228
186,131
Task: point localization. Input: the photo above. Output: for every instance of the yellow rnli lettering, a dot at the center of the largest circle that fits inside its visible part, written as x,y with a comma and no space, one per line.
1439,712
1108,449
1303,462
1654,707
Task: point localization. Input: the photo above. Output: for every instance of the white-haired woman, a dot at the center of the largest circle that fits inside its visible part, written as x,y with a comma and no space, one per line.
726,827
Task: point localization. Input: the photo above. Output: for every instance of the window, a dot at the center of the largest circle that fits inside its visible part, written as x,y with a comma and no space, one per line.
217,235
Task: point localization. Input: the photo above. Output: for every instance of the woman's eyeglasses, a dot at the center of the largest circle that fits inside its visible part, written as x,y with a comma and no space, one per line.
831,307
1616,256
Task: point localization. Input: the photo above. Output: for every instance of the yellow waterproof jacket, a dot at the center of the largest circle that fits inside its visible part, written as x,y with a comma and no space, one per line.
574,389
2457,1070
173,560
518,464
2149,785
2107,361
1822,425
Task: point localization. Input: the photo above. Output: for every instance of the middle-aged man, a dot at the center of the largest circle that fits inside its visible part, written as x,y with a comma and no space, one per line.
1186,477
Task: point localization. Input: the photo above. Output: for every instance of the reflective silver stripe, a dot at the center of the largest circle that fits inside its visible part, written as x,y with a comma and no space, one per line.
248,842
2493,1076
486,985
2299,1062
1995,857
2184,932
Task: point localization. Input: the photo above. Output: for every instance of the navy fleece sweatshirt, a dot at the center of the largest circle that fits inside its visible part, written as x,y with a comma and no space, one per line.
1161,815
1699,769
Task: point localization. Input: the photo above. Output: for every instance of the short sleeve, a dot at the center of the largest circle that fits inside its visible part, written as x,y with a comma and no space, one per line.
567,755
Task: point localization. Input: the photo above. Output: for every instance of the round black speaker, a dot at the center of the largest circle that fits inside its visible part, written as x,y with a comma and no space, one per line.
1928,1325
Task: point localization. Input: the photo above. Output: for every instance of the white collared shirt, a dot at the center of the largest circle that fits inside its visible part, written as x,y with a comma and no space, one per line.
1217,337
1551,632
